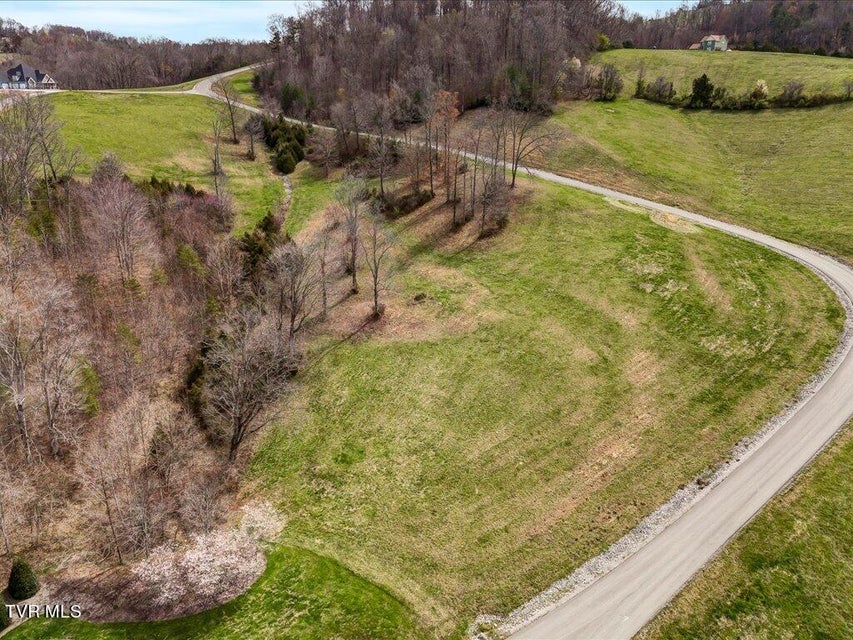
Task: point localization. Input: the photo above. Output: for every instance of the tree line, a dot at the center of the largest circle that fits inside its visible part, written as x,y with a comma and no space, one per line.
89,59
479,50
794,26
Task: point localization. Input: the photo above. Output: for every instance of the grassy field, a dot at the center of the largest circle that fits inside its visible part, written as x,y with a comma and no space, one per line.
300,596
738,71
555,385
788,575
785,172
242,84
552,390
167,136
189,84
311,194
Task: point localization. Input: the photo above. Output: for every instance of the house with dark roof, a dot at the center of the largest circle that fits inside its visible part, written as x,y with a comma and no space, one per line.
23,76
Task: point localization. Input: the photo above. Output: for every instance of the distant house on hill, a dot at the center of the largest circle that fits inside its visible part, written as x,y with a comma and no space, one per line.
714,43
23,76
695,46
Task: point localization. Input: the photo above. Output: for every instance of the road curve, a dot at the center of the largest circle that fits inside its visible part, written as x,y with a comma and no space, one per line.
623,601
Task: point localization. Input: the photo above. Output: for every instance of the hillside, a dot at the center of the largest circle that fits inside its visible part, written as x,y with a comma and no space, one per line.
390,435
776,170
737,71
526,398
423,422
168,137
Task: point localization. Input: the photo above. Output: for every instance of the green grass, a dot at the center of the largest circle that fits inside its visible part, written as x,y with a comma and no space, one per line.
167,136
301,596
788,575
184,86
242,84
311,194
558,387
738,71
786,172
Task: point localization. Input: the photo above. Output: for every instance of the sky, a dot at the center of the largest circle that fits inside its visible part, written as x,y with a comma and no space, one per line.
189,21
649,8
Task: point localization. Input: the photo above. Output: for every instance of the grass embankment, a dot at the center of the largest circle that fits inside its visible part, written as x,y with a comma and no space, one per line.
242,85
788,575
551,391
184,86
786,172
311,194
300,596
554,387
782,171
738,71
170,137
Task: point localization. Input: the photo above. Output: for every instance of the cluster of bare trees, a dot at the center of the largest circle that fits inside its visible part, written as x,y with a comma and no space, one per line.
480,50
473,162
107,292
90,59
774,25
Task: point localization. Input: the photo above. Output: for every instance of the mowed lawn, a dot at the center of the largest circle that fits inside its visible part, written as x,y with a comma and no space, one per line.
737,71
788,575
311,194
300,596
242,85
554,387
786,172
170,137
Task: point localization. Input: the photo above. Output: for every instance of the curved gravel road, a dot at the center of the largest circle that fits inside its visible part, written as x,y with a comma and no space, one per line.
621,602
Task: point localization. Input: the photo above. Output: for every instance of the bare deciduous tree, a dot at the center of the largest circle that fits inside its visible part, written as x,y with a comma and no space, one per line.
445,115
18,353
120,212
380,110
247,371
231,112
254,129
349,196
98,470
323,152
293,289
225,271
19,162
376,244
59,353
323,265
526,137
216,158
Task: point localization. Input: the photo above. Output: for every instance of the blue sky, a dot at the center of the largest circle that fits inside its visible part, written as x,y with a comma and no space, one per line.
188,21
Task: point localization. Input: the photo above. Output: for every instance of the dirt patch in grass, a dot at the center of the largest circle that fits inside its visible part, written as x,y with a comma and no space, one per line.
673,222
709,282
411,314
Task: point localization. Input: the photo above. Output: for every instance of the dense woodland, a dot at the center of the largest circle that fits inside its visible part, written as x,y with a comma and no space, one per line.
480,50
85,59
795,26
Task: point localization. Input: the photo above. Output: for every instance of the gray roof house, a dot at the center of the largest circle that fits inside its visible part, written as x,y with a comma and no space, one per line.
23,76
714,43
